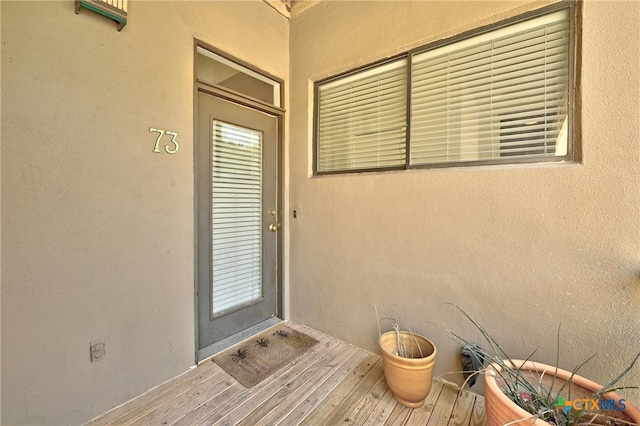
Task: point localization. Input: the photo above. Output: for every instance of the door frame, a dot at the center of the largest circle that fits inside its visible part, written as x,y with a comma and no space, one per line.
258,105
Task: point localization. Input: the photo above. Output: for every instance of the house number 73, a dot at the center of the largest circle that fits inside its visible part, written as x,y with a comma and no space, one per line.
173,135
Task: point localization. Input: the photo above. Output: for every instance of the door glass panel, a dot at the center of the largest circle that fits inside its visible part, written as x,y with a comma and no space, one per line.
236,216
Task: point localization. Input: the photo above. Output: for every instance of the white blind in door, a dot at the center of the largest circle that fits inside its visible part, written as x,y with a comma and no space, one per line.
500,94
236,216
361,120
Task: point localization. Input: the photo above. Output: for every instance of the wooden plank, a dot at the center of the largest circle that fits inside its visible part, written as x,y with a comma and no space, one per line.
462,411
175,409
240,393
399,416
149,395
478,417
355,391
420,416
383,410
210,406
179,388
329,404
332,383
443,407
257,403
367,404
230,398
366,380
316,388
249,400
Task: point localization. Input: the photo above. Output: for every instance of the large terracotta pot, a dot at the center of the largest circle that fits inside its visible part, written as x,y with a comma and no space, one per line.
501,410
409,379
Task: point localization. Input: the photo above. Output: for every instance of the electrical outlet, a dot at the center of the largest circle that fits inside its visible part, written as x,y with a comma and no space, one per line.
97,350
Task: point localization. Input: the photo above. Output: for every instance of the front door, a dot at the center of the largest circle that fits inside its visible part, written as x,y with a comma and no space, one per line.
237,218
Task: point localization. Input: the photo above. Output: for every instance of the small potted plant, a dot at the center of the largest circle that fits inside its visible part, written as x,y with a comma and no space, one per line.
408,359
523,392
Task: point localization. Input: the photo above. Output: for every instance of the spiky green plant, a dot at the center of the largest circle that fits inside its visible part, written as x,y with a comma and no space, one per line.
536,398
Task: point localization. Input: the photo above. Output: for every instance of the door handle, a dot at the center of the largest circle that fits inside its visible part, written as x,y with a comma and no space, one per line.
274,227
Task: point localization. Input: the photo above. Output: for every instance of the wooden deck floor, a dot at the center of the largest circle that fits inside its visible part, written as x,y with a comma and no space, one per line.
332,384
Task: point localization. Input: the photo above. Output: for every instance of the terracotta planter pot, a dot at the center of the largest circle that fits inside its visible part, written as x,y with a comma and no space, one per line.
408,378
501,410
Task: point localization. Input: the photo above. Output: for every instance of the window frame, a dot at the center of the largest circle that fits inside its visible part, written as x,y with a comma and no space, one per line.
316,114
573,91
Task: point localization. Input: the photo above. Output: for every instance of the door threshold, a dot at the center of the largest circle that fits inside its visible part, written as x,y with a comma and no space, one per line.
211,350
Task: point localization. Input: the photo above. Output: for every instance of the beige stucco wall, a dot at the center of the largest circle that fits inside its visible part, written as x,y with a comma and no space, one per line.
522,249
97,231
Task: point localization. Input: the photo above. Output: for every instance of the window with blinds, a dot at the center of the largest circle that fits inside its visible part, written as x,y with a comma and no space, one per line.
236,216
499,95
502,95
361,120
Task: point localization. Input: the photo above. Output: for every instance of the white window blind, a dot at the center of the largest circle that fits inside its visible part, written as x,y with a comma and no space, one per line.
236,216
500,94
361,120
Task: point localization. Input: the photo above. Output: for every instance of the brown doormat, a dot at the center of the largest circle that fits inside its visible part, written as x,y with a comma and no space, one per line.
252,360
